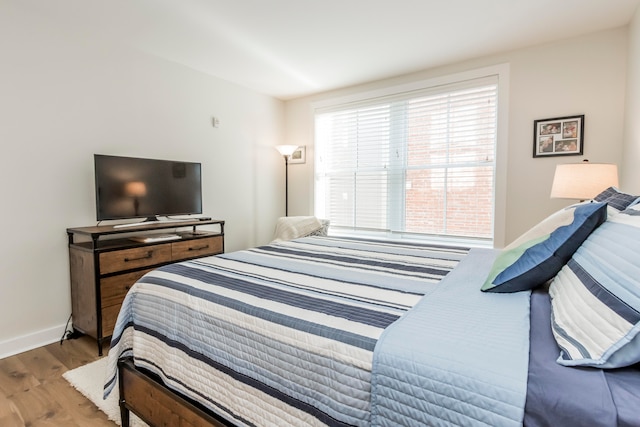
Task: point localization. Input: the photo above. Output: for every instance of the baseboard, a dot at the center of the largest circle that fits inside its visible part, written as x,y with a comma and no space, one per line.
30,341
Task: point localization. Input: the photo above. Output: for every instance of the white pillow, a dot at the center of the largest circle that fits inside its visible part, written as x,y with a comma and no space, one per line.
596,297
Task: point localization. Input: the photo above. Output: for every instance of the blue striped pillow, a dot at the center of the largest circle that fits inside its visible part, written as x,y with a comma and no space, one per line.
538,255
596,297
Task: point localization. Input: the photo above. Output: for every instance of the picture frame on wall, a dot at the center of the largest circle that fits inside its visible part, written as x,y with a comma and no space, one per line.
559,136
299,156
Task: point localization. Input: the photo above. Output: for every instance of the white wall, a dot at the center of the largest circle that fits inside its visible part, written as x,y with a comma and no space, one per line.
630,178
64,97
584,75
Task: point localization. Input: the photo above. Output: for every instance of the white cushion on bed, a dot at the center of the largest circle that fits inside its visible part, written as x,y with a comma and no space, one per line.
294,227
596,297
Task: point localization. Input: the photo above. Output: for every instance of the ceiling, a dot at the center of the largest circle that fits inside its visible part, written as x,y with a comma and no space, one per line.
292,48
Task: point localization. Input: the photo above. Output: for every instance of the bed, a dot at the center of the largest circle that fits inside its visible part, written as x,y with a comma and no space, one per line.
326,331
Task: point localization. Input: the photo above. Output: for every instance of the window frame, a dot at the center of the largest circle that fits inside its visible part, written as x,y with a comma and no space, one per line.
501,71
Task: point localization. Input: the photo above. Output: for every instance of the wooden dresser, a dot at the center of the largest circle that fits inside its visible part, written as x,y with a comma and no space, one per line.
105,261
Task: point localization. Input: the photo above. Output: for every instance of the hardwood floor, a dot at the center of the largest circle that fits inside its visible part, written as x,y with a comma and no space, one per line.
33,392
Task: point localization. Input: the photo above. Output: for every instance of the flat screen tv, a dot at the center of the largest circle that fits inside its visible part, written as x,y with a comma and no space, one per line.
130,187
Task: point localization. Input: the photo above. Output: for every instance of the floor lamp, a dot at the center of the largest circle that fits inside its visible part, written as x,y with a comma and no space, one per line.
286,151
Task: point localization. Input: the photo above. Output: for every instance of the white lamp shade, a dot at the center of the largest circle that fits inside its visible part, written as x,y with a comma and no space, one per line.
286,150
583,180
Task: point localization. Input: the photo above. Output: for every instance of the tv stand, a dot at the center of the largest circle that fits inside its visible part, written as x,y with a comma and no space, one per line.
105,262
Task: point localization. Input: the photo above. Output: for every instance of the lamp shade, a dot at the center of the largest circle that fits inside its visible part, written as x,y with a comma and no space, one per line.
286,150
583,180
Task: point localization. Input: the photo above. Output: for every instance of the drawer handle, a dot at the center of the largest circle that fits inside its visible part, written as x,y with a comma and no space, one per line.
147,256
199,248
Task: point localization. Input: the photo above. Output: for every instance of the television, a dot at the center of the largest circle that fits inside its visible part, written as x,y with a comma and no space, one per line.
130,187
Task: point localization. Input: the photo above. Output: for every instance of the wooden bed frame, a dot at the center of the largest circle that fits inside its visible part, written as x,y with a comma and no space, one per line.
144,394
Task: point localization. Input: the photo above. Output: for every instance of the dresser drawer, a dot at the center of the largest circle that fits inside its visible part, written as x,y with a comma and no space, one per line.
113,289
196,248
128,259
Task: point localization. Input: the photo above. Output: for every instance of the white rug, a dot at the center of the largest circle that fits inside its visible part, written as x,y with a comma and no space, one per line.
89,380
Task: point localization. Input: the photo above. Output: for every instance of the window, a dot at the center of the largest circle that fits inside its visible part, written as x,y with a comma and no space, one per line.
419,162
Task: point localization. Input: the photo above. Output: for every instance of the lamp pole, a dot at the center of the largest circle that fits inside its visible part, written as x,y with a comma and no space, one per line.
286,185
286,151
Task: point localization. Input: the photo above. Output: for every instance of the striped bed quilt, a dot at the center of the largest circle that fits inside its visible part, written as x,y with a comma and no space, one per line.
282,334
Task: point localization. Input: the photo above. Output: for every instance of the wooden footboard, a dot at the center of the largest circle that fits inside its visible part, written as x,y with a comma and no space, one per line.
146,396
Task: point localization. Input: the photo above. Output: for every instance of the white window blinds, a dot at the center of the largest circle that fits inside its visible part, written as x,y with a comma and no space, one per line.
418,162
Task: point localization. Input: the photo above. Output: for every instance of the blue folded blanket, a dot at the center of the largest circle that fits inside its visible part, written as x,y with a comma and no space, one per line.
459,357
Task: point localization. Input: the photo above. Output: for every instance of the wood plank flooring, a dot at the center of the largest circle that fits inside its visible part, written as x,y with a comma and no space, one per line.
33,392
